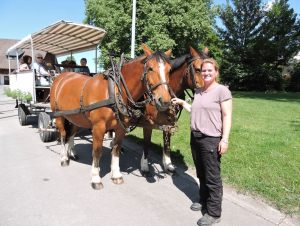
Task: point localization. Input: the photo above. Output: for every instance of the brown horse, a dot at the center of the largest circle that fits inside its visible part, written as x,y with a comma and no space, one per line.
185,74
108,102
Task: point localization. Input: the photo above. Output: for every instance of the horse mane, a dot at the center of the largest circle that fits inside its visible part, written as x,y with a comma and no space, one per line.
158,55
178,62
144,58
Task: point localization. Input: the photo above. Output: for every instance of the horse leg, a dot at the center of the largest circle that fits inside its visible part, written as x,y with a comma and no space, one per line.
147,142
71,149
167,163
116,175
98,135
61,124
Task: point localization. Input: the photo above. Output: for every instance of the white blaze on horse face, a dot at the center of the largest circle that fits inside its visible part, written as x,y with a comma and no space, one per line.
162,74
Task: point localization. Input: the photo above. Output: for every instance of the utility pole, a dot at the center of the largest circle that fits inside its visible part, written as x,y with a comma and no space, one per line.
133,28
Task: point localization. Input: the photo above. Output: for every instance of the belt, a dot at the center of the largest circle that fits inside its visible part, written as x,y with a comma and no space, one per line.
199,134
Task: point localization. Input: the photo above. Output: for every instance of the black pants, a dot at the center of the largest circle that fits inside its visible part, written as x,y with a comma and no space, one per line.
207,161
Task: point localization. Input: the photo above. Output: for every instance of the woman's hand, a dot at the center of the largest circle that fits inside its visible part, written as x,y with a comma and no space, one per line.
223,147
181,102
177,101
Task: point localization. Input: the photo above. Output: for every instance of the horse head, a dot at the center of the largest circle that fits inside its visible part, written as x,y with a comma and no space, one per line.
185,74
194,78
156,77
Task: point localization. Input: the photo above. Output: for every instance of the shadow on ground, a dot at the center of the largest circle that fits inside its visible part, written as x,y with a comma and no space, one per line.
130,162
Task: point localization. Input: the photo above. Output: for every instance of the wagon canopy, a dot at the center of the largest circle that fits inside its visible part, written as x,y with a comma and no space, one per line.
61,38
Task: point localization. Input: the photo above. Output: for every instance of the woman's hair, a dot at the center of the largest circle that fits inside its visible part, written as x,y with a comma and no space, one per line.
211,61
26,59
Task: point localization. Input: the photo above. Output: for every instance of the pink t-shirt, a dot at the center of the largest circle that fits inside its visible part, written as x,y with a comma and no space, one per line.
206,115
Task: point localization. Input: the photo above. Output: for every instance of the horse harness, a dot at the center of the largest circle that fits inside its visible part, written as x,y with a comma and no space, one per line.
116,100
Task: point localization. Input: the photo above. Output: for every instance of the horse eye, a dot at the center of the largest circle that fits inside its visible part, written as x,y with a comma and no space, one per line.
198,70
150,69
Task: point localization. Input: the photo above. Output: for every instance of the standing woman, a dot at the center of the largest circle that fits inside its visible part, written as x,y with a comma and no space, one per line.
211,116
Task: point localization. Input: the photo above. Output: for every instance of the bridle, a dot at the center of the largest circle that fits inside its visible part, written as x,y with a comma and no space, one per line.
134,108
190,72
149,89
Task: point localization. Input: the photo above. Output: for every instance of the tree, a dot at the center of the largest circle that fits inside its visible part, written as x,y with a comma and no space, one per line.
293,81
70,58
259,42
162,24
280,34
241,27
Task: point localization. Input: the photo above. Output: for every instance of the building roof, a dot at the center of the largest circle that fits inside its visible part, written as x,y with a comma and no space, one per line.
4,45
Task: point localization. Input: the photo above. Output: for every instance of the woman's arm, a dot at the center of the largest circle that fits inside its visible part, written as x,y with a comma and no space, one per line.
226,108
181,102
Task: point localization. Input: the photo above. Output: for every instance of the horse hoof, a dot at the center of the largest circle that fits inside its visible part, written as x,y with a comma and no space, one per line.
65,163
74,157
118,180
170,169
97,186
145,173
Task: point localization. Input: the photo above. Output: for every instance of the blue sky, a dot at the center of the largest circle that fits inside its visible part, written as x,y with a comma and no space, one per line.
20,18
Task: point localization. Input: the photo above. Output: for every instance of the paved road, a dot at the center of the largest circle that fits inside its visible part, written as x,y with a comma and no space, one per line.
36,190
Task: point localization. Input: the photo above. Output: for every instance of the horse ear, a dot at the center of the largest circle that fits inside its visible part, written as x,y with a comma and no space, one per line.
193,52
205,50
146,49
169,53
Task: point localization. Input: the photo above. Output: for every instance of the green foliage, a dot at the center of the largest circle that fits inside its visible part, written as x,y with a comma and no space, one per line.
14,94
280,34
70,58
171,24
26,96
258,42
294,81
18,94
7,92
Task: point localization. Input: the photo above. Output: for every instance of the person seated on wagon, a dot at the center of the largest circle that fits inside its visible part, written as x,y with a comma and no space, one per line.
42,75
84,69
68,65
25,63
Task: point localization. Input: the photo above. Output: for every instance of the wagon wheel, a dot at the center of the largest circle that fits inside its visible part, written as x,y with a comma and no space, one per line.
22,115
44,122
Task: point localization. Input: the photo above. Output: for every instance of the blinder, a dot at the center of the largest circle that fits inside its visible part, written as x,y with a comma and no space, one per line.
191,70
149,89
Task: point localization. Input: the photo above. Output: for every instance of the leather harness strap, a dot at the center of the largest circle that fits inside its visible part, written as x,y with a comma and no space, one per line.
108,102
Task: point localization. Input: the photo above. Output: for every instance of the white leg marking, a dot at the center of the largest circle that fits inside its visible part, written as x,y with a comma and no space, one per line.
95,174
167,162
115,168
144,164
63,152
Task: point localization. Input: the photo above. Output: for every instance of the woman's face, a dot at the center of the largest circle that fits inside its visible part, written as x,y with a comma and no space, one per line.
209,72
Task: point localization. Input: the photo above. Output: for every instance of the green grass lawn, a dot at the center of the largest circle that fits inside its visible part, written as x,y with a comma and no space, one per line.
264,152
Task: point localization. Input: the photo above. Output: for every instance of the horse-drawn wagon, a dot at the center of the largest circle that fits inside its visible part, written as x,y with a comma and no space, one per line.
59,39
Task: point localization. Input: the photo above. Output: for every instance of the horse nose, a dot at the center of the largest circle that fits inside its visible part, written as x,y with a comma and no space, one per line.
162,105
